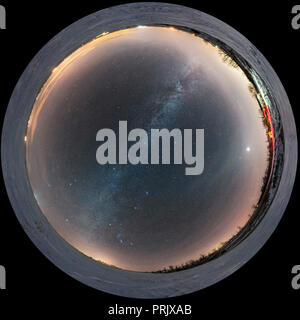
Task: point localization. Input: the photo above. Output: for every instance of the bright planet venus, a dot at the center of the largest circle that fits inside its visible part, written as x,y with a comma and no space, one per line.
147,217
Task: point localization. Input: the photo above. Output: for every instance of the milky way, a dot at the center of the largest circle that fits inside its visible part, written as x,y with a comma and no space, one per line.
146,217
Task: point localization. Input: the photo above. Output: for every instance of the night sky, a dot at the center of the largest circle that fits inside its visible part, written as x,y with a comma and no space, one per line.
145,217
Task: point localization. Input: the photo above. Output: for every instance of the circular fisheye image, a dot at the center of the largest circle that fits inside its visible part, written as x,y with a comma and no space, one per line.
153,152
